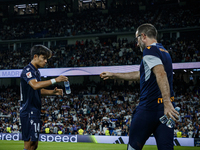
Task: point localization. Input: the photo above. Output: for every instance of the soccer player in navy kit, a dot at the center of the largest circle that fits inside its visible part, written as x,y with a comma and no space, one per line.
156,92
31,88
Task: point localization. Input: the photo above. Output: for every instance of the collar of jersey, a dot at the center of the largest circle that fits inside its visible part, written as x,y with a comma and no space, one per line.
153,44
33,67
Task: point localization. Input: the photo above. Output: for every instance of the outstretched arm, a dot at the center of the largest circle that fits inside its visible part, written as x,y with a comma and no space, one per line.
130,76
36,85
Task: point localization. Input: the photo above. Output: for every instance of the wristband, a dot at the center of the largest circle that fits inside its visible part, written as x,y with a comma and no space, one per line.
53,81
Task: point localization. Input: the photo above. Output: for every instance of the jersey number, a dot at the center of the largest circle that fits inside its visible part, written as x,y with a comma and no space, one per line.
37,127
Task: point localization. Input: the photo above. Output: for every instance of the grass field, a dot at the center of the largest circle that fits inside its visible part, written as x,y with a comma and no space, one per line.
18,145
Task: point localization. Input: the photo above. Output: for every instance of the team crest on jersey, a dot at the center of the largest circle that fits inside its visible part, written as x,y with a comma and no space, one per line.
28,74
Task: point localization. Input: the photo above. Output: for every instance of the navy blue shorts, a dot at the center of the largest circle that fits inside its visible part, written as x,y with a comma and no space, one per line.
143,124
31,126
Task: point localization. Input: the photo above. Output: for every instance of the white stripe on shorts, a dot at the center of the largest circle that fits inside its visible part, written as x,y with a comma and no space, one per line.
130,147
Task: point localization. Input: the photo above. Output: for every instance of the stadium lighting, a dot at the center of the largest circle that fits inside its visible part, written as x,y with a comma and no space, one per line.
191,71
87,1
24,5
173,72
185,70
21,6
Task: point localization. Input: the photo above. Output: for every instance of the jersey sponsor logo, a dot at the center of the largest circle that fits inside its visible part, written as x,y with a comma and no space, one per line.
160,100
27,69
28,74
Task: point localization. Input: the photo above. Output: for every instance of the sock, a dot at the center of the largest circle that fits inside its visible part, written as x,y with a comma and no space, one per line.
24,149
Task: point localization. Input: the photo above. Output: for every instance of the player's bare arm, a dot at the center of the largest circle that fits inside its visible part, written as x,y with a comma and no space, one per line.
130,76
36,85
161,78
56,91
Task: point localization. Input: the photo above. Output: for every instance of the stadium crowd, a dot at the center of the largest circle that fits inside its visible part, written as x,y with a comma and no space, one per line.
101,53
102,108
60,25
122,18
178,17
104,112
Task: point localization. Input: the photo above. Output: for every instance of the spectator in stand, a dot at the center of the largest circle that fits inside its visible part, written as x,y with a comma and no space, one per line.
117,113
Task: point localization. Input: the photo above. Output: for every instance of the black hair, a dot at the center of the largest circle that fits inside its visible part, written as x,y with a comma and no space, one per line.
40,50
148,29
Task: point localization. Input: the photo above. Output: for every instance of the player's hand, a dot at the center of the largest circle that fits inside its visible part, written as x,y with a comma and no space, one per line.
106,75
61,78
169,111
57,91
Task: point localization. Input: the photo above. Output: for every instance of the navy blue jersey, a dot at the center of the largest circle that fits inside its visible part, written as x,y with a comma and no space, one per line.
30,98
150,95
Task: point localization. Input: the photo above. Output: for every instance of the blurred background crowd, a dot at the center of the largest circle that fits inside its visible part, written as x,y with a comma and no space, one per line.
107,111
107,52
120,18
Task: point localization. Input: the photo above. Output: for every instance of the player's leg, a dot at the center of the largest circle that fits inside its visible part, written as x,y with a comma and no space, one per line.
33,145
164,136
35,129
30,145
30,131
25,127
26,145
142,126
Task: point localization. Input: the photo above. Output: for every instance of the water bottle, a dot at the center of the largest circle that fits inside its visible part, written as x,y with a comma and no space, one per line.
169,122
163,119
67,87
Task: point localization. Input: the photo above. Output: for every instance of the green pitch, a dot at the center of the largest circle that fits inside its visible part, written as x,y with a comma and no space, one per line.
18,145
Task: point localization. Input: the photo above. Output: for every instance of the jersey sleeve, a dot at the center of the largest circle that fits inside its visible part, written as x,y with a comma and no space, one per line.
28,75
151,56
